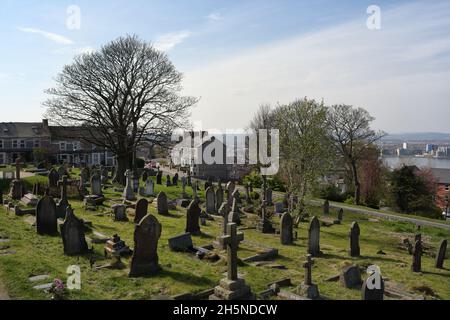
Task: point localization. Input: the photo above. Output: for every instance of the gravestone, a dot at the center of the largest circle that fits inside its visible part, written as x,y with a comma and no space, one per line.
175,179
159,178
119,212
135,181
141,210
314,237
218,244
279,208
354,240
350,277
210,201
36,189
53,178
17,189
235,214
233,287
145,256
85,174
248,198
230,187
144,176
219,197
440,257
168,181
286,229
326,207
46,220
96,185
161,204
128,193
236,195
104,175
63,203
189,179
181,243
72,233
308,288
417,257
224,209
192,218
149,189
194,186
340,216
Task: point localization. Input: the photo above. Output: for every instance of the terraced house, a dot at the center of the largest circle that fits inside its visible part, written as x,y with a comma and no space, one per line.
38,141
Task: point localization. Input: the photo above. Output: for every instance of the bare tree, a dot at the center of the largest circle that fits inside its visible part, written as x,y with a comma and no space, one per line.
125,93
351,134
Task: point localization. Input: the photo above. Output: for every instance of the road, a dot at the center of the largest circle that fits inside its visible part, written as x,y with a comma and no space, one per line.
386,216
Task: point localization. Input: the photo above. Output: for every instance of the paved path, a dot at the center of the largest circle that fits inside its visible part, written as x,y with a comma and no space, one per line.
387,216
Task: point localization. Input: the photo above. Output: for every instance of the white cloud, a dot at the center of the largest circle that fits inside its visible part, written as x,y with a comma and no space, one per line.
50,36
399,73
168,41
215,16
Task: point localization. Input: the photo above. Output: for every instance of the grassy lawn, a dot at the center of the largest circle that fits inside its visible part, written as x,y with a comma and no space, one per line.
183,272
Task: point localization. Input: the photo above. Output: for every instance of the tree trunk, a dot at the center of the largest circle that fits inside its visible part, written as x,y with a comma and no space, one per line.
356,183
123,163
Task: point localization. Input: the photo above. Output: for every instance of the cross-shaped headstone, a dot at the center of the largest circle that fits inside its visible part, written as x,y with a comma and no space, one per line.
308,267
18,161
231,240
63,185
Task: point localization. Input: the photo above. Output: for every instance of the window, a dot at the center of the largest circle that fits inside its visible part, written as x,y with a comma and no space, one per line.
62,146
446,187
2,158
37,143
1,144
22,144
15,144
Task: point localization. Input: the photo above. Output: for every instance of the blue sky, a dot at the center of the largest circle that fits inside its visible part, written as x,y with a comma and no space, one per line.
236,55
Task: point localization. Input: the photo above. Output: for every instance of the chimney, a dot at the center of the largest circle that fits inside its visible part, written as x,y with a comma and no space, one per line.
45,123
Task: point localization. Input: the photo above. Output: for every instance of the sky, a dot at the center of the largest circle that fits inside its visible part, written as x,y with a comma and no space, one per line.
238,54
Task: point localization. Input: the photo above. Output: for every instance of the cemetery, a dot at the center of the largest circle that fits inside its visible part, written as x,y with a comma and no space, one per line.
166,239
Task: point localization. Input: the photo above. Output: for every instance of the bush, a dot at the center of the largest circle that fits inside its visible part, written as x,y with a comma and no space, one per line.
256,181
331,193
349,200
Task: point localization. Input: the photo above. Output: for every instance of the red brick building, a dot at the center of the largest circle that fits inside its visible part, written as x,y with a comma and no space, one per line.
442,177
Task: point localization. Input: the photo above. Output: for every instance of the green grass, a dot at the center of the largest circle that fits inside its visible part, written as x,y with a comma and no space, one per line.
183,272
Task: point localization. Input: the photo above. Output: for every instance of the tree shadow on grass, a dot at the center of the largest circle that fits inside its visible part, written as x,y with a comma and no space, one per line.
188,278
203,235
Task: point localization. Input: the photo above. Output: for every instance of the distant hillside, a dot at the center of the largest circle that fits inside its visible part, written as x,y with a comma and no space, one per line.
419,136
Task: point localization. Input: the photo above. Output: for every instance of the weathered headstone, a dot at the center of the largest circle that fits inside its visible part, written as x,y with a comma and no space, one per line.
350,277
141,210
192,218
175,179
326,207
46,220
340,216
219,197
440,257
314,237
53,178
269,196
72,233
145,256
286,229
210,201
63,203
417,257
230,187
235,214
96,185
119,212
159,177
308,288
181,243
161,204
354,240
149,189
17,189
128,193
168,181
232,288
85,175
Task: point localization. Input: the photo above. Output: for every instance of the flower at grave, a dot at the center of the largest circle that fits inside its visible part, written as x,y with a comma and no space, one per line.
58,290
